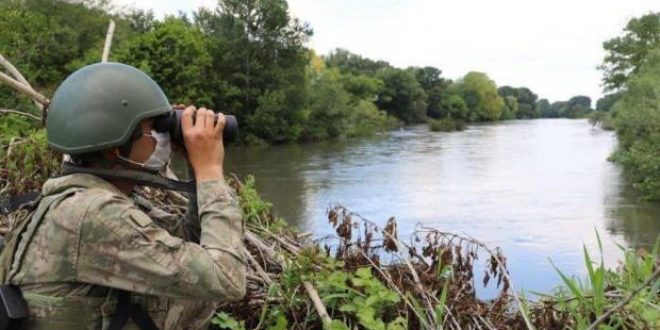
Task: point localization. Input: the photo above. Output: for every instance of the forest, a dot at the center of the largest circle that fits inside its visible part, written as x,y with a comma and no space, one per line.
250,59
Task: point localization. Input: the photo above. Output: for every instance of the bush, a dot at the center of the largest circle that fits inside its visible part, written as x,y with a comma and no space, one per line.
446,125
638,129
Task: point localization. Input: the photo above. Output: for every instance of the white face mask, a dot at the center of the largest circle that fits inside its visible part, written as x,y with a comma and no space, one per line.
160,156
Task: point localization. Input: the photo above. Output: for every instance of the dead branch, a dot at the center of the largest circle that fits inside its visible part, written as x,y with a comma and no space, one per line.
318,304
23,89
259,244
262,273
19,77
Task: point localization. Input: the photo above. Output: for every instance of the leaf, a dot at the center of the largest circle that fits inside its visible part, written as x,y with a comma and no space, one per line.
338,325
440,307
225,321
364,273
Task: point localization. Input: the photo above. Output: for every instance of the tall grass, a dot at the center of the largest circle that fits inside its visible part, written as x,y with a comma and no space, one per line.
626,297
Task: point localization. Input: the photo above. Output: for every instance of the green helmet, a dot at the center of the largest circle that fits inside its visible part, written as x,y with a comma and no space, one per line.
99,107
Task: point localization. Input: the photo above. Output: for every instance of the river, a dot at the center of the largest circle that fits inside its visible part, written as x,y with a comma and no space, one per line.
538,189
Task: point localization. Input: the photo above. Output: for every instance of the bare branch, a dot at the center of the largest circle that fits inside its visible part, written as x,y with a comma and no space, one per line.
108,41
23,89
318,304
15,112
19,77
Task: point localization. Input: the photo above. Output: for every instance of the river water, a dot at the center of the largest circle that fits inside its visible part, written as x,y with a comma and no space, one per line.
538,189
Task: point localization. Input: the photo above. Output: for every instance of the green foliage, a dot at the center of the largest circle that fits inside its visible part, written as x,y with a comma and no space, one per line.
638,128
348,62
402,96
576,107
175,55
480,95
44,38
25,165
524,106
453,106
580,302
606,103
544,109
224,321
247,58
602,119
361,295
255,209
259,66
626,54
366,119
336,110
329,106
434,86
446,125
15,126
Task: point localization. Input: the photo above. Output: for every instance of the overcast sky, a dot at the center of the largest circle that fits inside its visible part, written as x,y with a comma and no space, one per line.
552,47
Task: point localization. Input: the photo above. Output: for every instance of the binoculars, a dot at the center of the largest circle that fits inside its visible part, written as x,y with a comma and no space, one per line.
171,123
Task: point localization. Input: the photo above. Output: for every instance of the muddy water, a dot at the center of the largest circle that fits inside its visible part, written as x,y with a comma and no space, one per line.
539,189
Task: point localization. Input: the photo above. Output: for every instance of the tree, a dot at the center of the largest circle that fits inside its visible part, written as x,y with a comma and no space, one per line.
576,107
606,102
627,53
510,109
328,108
544,109
402,96
454,107
45,39
638,128
556,108
259,65
362,86
348,62
176,56
429,78
525,101
480,95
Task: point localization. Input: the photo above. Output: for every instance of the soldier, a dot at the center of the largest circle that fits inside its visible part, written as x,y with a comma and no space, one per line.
88,257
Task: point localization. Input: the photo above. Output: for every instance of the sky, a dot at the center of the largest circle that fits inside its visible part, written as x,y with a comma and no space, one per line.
552,47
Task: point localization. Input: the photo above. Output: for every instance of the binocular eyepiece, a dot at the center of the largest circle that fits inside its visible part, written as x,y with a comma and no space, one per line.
171,123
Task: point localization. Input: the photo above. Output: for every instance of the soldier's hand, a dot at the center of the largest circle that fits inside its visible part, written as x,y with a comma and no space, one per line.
203,140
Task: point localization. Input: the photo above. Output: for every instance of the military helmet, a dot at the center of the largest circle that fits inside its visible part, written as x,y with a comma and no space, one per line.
99,106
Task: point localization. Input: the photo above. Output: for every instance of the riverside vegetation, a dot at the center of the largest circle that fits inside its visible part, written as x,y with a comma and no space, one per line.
367,277
364,276
249,58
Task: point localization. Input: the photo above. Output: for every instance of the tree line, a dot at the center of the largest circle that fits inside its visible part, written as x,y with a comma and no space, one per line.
249,58
632,104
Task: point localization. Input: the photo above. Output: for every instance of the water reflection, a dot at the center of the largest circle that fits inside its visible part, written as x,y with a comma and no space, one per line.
538,189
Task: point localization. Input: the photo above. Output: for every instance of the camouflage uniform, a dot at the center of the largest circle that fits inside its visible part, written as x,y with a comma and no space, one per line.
93,239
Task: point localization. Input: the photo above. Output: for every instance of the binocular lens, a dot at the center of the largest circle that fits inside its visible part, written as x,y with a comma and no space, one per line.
171,123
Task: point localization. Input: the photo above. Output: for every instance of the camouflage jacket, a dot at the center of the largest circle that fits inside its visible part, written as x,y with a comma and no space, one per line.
93,239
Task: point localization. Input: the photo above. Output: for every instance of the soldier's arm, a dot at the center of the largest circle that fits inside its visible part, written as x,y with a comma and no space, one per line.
121,247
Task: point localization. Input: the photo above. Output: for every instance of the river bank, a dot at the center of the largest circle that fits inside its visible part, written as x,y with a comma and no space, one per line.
375,276
536,188
368,276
